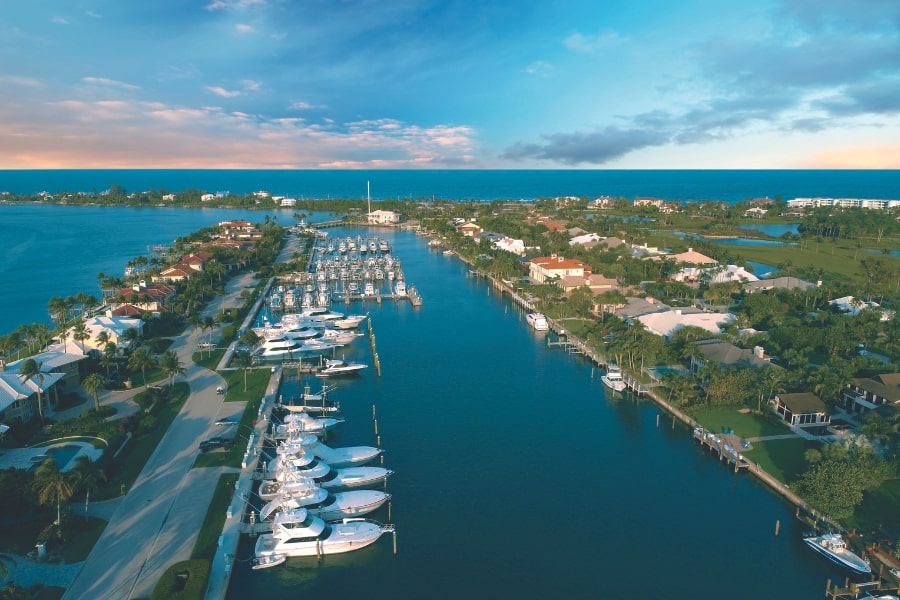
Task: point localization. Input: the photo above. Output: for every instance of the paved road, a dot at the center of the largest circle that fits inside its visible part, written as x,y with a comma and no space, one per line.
156,523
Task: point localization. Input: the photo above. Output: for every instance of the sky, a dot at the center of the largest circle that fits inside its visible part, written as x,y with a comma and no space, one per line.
473,84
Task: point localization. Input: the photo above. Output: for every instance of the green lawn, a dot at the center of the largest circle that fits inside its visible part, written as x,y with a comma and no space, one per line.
744,424
782,459
139,449
208,537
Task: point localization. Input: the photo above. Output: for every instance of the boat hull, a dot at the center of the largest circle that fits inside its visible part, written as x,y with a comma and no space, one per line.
843,558
341,537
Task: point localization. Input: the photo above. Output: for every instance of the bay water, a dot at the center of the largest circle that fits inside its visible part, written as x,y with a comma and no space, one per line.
515,475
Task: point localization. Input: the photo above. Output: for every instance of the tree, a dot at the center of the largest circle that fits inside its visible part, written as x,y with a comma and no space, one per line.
31,369
130,336
244,361
110,357
141,359
93,384
52,486
80,332
172,366
87,477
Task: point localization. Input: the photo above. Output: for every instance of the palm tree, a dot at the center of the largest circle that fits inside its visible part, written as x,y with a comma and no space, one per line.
51,485
93,384
87,476
172,366
110,357
31,369
80,332
244,361
141,359
131,335
103,339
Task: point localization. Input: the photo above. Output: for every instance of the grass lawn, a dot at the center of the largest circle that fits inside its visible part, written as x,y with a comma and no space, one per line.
139,449
745,425
82,534
208,538
839,260
782,459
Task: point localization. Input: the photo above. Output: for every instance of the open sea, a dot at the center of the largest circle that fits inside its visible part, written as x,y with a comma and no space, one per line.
516,476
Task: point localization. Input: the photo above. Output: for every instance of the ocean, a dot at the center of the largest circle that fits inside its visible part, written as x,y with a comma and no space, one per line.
672,185
516,476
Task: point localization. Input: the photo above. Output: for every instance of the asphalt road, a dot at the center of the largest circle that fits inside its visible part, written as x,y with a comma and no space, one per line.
157,522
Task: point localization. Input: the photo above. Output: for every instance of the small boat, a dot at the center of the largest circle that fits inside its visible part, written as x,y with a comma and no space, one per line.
400,288
300,422
613,378
269,560
339,367
537,321
833,547
298,533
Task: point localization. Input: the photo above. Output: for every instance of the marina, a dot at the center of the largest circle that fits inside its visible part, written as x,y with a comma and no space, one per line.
415,401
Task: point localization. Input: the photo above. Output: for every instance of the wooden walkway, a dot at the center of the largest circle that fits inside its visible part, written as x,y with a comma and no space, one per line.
725,445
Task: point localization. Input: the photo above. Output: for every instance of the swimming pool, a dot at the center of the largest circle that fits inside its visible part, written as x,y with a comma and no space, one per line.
658,372
61,454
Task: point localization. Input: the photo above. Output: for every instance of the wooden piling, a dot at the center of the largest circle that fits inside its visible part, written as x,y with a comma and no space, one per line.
777,527
395,542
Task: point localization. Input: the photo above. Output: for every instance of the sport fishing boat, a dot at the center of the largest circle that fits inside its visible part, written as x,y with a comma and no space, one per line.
833,547
538,321
298,533
613,378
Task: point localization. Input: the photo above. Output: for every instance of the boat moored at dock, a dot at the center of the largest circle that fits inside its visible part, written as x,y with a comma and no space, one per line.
833,547
537,321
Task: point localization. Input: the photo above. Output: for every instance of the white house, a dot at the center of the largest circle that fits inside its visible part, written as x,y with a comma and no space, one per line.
510,245
383,217
664,324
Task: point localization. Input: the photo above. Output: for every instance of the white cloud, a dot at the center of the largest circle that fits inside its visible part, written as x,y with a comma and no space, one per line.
589,44
110,82
539,68
244,28
220,91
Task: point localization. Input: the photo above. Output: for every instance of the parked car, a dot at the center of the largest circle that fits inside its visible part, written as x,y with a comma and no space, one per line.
206,345
216,442
226,422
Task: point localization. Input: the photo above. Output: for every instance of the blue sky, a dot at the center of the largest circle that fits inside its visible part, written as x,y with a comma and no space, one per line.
455,84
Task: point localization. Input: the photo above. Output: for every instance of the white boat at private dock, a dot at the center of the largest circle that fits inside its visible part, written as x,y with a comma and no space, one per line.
400,288
833,547
299,533
300,422
613,378
537,321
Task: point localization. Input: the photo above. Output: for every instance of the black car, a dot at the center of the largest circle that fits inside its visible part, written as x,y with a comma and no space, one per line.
216,442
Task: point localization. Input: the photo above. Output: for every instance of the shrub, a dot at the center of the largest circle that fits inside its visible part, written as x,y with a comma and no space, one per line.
185,580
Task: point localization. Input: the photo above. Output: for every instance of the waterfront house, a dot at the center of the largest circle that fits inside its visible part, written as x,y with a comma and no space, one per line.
382,217
636,307
803,409
115,328
62,369
597,283
729,355
472,230
546,268
781,283
666,323
869,393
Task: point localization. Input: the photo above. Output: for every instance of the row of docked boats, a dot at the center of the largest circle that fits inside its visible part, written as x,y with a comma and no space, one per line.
314,330
316,497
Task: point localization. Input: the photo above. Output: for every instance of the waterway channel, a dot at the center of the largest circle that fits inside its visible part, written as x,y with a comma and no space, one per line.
516,476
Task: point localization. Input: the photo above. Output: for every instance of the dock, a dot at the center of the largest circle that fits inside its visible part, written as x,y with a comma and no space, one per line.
723,444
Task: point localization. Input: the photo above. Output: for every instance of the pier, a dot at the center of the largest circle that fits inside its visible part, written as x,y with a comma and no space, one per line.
725,445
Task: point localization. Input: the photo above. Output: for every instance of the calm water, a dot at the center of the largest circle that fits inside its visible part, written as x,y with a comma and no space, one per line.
725,185
517,478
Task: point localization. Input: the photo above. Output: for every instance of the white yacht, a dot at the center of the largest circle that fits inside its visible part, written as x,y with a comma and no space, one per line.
400,288
326,505
299,422
538,321
277,347
344,478
833,547
349,322
613,378
339,367
348,456
369,289
298,533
